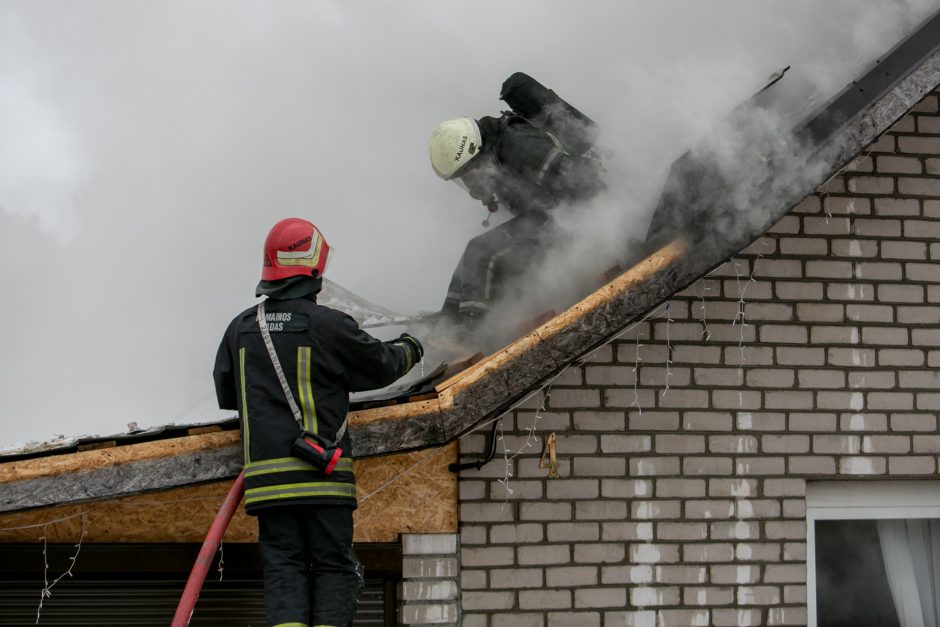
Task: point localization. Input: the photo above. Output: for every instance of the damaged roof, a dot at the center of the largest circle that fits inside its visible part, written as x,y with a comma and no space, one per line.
447,403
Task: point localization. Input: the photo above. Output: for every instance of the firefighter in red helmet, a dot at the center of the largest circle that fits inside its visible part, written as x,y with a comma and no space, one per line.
287,365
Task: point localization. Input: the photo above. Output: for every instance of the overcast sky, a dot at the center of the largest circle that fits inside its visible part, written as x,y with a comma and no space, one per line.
147,147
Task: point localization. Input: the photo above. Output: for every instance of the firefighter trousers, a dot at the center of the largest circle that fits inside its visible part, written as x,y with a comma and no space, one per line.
311,573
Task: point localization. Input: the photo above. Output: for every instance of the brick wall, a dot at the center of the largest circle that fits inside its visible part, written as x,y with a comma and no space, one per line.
683,504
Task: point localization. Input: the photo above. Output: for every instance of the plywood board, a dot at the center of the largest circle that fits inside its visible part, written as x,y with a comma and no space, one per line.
410,493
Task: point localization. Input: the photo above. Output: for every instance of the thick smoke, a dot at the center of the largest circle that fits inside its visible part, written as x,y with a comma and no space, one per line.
147,147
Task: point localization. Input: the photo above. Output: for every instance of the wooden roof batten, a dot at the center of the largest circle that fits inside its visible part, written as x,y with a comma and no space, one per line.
490,387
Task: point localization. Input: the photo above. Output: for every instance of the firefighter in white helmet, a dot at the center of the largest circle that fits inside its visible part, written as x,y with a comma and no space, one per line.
529,160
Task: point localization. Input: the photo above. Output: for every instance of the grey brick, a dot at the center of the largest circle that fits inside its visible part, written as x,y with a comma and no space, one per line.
737,617
919,145
758,595
622,531
862,248
871,185
626,443
486,556
891,400
654,596
821,379
735,574
706,421
913,422
799,290
520,533
502,578
625,488
429,567
758,466
604,553
811,465
899,165
571,576
820,312
544,554
679,444
837,444
649,553
545,511
788,400
812,421
689,531
599,421
429,544
918,186
655,510
518,619
600,510
707,466
473,600
566,619
854,357
876,227
574,397
545,599
900,357
904,249
912,465
785,487
653,466
761,421
573,532
737,487
862,466
789,356
727,444
681,488
770,377
709,509
735,399
829,269
863,422
752,356
599,466
850,291
600,597
708,596
872,379
757,552
653,420
919,315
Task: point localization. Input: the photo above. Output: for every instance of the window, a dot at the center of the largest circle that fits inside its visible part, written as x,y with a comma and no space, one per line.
873,553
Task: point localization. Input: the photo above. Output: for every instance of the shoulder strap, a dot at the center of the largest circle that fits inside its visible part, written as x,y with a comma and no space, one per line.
266,335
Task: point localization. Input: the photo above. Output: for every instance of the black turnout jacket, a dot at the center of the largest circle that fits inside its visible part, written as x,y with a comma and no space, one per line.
325,356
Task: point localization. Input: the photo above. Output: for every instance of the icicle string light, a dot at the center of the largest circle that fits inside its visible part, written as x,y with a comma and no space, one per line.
221,565
742,290
47,587
706,334
668,352
636,374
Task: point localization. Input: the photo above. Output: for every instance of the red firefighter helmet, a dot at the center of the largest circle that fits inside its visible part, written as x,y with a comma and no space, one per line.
294,247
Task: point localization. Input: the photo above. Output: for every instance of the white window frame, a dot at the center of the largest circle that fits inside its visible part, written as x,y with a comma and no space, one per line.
862,500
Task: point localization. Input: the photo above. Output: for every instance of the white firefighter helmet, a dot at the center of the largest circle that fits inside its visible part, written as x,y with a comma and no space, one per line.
453,144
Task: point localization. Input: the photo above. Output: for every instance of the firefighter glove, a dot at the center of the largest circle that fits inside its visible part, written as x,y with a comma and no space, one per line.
411,343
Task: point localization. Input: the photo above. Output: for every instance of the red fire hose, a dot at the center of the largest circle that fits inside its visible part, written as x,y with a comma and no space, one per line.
184,611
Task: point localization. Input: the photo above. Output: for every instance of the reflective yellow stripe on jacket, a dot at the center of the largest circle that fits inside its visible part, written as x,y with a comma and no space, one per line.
291,464
300,490
305,388
245,431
